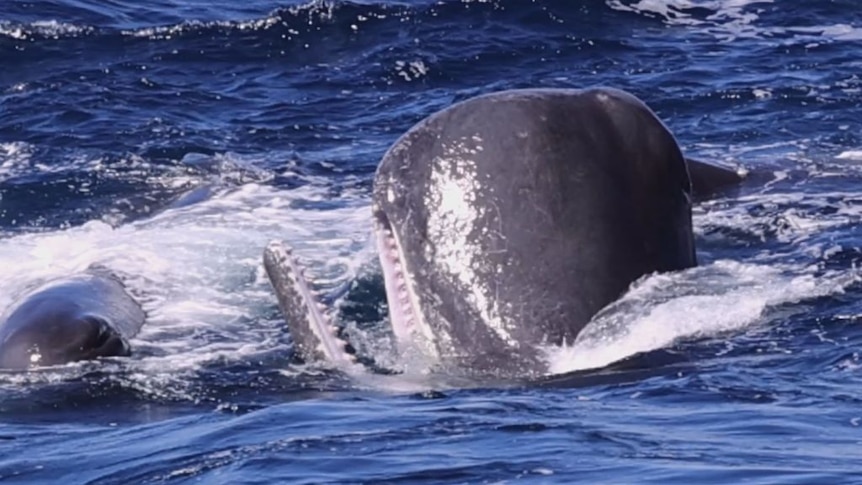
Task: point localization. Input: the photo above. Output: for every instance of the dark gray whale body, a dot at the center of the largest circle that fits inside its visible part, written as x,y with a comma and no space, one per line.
77,318
504,223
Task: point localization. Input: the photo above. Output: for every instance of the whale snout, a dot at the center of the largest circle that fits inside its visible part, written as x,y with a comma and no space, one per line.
60,342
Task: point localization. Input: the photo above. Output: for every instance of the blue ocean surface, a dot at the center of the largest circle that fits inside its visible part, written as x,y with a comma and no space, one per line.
170,140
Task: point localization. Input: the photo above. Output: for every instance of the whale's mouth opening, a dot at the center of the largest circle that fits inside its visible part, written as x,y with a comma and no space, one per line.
408,325
313,333
105,342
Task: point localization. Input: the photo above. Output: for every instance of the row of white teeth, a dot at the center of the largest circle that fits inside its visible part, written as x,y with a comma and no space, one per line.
406,309
300,271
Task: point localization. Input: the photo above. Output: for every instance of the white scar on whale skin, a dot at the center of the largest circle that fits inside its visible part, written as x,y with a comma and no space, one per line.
452,217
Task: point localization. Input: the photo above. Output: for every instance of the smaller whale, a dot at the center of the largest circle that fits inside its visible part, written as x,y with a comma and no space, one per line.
77,318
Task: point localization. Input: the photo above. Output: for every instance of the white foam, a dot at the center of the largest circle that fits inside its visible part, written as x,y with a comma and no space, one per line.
323,10
795,217
198,269
20,159
850,155
839,32
45,28
411,70
727,296
730,14
733,19
702,302
15,158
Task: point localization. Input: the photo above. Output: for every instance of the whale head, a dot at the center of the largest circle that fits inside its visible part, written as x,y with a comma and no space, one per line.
505,222
58,338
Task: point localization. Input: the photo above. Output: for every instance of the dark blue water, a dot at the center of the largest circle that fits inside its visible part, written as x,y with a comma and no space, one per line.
170,142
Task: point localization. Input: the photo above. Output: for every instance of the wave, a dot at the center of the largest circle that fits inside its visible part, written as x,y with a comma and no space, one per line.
311,16
725,19
721,298
728,20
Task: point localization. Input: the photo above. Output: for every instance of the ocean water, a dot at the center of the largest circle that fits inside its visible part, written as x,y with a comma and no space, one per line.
170,140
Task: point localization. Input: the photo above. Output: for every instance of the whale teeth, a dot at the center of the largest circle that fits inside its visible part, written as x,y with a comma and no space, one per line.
389,239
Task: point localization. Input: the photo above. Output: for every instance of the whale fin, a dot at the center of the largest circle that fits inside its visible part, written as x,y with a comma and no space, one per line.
709,178
314,335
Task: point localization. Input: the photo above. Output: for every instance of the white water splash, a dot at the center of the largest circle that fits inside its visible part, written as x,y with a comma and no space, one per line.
726,296
701,302
850,155
15,159
197,270
735,19
45,28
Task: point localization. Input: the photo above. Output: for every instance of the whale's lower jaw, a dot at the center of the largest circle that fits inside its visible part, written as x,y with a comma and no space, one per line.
315,338
314,335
